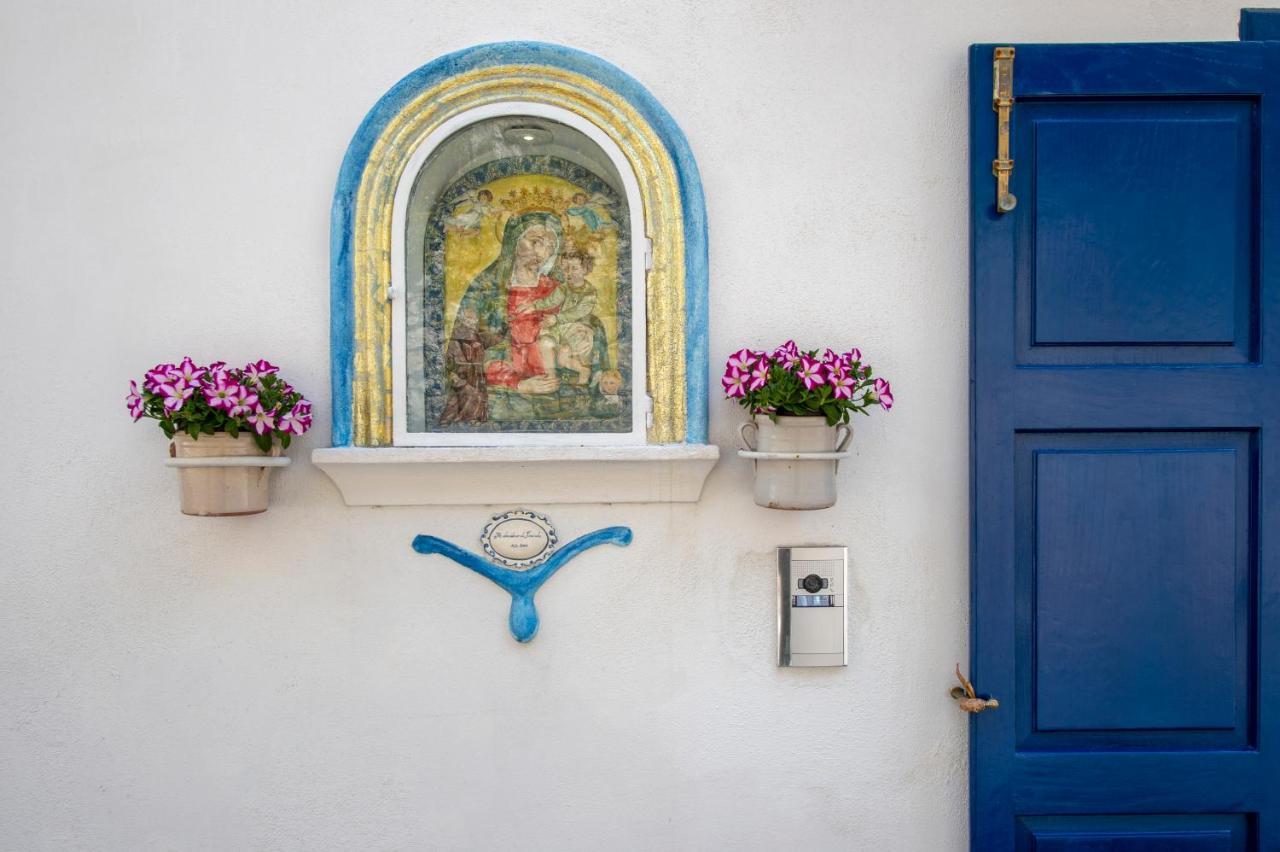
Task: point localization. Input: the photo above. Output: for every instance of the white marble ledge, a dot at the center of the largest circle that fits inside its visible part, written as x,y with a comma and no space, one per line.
470,476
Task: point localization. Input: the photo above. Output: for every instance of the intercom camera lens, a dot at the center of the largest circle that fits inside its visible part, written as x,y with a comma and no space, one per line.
812,583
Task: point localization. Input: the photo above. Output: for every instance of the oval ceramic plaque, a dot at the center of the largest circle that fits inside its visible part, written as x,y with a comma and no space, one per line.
519,539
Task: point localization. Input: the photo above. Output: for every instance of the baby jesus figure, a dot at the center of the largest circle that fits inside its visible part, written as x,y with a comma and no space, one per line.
565,335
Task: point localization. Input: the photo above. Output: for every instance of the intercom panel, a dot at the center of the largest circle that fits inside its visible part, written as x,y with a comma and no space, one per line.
811,606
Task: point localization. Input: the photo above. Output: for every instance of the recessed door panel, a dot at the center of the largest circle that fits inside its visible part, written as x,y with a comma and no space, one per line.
1142,227
1135,571
1139,833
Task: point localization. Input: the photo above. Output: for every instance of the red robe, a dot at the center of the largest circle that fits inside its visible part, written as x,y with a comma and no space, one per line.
523,330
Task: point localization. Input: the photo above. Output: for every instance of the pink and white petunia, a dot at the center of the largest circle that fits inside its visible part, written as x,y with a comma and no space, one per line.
260,368
830,358
245,401
810,373
261,420
156,376
189,372
137,405
214,378
735,383
222,395
786,355
294,422
884,393
176,393
853,356
759,375
218,374
842,384
741,360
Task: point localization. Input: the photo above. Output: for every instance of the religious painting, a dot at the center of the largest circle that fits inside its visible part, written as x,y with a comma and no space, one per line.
525,303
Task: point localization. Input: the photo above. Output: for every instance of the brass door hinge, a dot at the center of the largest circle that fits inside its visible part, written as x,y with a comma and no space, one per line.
1002,103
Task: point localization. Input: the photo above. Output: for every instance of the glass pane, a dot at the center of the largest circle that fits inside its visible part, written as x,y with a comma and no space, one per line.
518,274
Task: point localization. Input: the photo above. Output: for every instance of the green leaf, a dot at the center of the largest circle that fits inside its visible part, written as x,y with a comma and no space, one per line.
285,439
233,430
263,442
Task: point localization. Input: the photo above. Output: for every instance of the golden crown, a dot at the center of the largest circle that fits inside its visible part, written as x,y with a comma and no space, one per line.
525,200
546,200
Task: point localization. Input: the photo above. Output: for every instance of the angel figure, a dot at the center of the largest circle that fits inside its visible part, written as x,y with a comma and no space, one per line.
594,211
478,205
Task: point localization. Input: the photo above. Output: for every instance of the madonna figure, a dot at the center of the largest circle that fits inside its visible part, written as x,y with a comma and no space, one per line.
497,338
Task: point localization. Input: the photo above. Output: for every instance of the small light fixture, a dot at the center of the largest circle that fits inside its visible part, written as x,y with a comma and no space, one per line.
527,134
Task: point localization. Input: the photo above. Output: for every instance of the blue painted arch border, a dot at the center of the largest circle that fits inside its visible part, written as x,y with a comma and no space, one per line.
342,318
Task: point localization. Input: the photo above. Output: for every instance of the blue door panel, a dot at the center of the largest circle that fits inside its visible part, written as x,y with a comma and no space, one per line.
1125,400
1141,244
1104,518
1142,833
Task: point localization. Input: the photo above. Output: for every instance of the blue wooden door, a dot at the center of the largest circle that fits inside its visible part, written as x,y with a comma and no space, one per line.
1126,450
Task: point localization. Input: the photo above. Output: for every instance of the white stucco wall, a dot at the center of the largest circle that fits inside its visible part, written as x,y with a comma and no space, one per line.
302,680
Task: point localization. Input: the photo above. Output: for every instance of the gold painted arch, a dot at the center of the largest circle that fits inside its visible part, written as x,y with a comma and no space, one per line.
371,236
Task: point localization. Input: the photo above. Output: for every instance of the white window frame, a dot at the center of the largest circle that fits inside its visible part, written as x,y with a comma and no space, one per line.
641,404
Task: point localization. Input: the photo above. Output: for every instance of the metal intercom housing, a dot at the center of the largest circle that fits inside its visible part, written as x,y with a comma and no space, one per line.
811,606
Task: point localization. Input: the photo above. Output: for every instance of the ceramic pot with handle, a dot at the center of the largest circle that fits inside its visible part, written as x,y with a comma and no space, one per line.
795,460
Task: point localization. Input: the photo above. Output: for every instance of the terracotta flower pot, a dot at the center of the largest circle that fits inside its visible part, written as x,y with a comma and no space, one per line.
795,460
221,475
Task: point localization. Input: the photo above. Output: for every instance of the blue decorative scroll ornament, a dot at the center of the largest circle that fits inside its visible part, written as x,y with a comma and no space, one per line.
522,585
